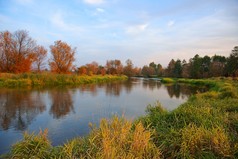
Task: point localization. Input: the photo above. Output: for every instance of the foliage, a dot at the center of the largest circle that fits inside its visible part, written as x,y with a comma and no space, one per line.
40,57
62,57
17,51
148,71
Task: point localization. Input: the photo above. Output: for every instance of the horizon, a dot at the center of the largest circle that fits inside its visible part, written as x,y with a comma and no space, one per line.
142,31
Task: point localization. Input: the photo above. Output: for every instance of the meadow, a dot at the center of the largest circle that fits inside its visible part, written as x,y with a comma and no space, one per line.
206,126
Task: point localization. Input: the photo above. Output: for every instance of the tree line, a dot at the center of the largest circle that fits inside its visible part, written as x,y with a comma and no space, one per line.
197,67
19,53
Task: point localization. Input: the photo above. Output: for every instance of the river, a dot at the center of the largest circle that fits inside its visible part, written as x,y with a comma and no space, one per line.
67,111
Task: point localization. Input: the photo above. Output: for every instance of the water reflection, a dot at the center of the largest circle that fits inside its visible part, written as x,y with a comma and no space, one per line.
151,84
183,90
62,102
66,112
19,108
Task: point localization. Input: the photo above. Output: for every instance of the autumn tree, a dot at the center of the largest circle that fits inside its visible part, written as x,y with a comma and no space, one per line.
128,70
62,57
92,68
40,57
82,70
16,51
147,71
102,70
114,67
6,52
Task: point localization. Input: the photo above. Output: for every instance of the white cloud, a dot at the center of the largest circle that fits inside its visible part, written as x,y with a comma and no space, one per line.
171,23
100,10
58,21
136,29
94,2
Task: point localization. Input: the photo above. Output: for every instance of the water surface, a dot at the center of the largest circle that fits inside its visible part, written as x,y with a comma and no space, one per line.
67,111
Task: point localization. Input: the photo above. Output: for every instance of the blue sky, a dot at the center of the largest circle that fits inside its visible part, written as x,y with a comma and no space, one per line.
140,30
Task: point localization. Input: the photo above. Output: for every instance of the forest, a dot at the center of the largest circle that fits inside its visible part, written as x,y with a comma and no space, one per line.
19,53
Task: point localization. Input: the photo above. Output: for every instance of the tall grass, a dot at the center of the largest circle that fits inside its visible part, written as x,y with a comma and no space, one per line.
32,146
49,79
206,126
115,138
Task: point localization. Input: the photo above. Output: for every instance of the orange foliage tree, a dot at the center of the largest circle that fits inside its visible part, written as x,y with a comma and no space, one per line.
62,57
114,67
40,57
92,68
16,51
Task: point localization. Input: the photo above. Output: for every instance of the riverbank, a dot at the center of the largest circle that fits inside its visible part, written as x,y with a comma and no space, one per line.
50,79
206,126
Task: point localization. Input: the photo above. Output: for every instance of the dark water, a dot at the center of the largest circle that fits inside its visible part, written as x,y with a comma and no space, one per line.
66,112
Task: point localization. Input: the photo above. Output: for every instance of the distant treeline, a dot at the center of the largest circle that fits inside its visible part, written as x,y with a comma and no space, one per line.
19,53
197,67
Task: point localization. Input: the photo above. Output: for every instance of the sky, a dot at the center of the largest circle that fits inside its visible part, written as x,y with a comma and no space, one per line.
141,30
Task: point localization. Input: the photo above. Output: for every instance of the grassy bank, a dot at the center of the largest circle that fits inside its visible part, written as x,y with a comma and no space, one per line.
49,79
206,126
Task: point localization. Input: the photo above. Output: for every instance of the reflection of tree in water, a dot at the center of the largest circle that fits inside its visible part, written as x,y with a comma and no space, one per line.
92,88
19,107
173,90
62,103
113,88
128,85
183,91
151,84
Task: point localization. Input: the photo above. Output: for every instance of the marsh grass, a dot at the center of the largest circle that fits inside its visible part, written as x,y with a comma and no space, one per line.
32,146
115,138
50,79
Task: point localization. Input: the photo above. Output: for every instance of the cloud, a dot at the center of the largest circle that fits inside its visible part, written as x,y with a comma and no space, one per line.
94,2
100,10
136,29
171,23
58,21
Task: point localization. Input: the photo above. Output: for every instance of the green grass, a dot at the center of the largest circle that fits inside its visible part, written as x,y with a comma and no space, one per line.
206,126
49,79
168,80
